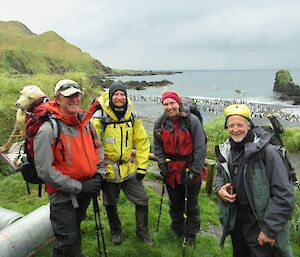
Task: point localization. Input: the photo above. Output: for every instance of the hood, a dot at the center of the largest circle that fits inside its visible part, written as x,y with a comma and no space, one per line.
184,110
53,108
261,138
103,99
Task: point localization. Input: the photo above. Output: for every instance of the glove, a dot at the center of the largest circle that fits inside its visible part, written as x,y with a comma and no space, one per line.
187,179
99,177
91,186
139,176
164,170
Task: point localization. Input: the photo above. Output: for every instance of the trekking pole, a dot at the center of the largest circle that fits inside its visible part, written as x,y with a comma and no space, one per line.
278,129
99,226
160,206
185,219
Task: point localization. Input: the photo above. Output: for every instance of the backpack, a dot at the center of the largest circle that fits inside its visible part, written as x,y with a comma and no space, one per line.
194,110
275,139
36,115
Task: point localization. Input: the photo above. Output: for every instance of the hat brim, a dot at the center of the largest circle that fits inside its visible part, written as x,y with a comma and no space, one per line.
70,91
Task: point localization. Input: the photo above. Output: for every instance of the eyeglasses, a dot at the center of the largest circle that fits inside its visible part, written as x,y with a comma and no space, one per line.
67,86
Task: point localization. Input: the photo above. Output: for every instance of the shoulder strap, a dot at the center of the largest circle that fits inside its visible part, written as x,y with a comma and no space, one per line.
56,125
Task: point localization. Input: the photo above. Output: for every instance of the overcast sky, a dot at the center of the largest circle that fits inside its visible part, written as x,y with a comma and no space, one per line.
170,34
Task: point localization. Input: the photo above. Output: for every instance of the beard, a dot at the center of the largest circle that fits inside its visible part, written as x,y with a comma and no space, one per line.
238,138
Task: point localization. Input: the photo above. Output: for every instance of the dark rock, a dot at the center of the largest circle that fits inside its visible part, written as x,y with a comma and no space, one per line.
286,87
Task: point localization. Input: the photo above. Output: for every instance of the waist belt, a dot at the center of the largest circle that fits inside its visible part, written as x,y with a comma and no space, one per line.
120,162
180,158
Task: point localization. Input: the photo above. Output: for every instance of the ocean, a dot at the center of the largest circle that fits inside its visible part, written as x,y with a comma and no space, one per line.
251,86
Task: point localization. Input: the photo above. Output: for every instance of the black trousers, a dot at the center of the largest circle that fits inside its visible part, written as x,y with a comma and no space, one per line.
176,196
244,236
66,220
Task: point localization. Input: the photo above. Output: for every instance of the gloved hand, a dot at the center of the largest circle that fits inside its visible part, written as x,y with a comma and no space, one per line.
164,170
187,179
99,177
92,186
139,176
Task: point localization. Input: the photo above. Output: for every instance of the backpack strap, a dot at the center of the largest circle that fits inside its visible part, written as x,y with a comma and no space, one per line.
106,120
56,126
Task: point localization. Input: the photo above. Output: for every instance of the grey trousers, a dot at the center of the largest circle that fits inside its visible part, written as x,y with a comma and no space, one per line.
133,189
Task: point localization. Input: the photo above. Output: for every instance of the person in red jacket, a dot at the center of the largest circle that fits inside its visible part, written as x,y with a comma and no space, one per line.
180,151
71,168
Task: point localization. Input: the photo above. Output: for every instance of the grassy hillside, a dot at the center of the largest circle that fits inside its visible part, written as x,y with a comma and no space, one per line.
22,51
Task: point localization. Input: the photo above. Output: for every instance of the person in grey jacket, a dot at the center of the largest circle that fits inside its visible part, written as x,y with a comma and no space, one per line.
256,197
70,166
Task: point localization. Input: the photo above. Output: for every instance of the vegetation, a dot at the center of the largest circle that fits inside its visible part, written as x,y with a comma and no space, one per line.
283,77
13,196
22,51
27,58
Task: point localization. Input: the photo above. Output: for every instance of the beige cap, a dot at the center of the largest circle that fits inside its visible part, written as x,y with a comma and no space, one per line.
67,87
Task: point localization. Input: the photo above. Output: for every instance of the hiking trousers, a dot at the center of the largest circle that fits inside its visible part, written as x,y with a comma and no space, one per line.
176,201
245,234
66,220
135,192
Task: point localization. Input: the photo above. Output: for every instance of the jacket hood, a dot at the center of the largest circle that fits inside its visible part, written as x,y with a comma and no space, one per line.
184,109
53,108
103,99
261,138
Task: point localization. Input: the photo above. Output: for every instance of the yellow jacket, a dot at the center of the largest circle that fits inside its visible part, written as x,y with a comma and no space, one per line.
119,139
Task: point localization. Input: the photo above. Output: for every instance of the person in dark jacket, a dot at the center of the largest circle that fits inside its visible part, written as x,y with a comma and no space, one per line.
256,196
180,149
72,169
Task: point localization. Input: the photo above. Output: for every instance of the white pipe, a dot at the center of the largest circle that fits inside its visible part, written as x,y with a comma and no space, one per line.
8,217
27,234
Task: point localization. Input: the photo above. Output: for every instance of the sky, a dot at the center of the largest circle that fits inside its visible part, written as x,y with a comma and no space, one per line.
170,34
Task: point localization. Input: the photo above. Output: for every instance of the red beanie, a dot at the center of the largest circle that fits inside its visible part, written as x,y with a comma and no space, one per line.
170,94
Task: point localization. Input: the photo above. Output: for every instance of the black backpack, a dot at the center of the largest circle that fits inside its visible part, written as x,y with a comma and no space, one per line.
275,139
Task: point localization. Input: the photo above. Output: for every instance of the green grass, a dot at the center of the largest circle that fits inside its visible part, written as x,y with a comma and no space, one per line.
13,196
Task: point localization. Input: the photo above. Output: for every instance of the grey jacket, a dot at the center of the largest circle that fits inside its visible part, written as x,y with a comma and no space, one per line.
267,186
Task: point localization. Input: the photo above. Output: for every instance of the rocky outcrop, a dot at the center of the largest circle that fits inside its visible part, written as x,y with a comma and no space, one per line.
133,84
286,87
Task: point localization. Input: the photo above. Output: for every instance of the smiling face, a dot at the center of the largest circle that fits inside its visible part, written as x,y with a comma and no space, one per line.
238,127
119,98
69,105
171,107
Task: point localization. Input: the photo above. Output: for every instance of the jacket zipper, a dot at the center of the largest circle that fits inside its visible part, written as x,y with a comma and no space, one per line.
69,150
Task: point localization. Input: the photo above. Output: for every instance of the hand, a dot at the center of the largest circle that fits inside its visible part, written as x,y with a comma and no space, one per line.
187,179
164,170
225,194
139,176
264,239
91,186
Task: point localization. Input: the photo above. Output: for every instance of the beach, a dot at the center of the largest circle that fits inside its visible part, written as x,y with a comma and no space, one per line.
149,107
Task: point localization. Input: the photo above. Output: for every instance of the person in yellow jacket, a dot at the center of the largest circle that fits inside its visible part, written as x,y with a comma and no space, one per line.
122,132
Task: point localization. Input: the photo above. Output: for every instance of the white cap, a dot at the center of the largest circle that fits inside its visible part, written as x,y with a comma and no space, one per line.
67,87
